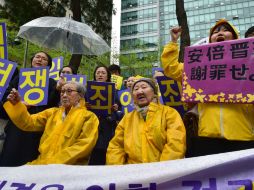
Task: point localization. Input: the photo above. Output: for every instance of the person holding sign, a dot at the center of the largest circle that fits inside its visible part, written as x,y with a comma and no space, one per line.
69,132
151,133
65,70
116,77
20,146
68,69
222,127
107,123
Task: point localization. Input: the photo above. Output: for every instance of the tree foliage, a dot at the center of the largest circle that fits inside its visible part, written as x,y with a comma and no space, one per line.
22,11
98,14
95,13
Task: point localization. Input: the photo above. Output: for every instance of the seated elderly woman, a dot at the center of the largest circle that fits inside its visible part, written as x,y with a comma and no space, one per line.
70,131
151,133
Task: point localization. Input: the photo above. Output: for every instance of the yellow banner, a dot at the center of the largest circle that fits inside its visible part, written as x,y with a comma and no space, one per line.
3,43
118,80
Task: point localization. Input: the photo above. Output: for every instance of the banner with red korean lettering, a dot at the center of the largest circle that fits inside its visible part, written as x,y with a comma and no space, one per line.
33,85
7,69
219,72
101,97
228,171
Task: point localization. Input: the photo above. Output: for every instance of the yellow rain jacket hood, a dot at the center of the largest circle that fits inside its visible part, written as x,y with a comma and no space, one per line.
226,23
160,137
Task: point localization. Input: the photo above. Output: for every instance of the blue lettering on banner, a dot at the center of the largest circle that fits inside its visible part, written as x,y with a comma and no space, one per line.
197,184
246,184
112,186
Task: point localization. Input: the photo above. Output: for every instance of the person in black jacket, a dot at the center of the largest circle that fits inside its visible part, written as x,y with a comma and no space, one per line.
107,124
20,146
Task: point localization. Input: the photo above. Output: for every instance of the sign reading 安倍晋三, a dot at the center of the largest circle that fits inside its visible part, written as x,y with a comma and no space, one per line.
219,72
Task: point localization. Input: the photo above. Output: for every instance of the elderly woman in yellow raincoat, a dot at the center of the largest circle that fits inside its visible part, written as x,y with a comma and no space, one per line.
70,131
222,127
151,133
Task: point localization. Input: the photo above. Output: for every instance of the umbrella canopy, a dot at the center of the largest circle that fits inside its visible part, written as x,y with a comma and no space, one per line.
62,33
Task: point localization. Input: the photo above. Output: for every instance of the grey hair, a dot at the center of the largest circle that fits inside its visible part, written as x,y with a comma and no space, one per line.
81,89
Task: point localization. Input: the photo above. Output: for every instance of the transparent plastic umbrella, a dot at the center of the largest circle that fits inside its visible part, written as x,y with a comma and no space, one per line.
62,33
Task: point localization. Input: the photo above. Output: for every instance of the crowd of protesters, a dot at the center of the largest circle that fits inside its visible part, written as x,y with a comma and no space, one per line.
66,131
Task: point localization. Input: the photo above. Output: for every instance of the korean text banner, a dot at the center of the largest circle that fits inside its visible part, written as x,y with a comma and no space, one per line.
3,42
101,96
7,69
78,78
219,72
33,85
57,64
228,171
126,101
171,93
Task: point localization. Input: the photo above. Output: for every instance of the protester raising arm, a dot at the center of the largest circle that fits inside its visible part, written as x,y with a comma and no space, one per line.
69,132
169,58
222,127
18,113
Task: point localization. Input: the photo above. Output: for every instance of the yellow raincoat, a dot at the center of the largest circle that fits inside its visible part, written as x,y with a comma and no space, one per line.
216,120
68,141
161,137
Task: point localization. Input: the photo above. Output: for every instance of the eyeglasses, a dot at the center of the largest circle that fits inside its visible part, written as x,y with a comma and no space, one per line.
102,73
41,57
67,91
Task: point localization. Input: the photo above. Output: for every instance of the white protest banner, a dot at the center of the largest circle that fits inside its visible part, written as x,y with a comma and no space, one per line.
215,172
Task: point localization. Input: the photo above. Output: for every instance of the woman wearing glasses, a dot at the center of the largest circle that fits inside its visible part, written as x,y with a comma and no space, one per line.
69,132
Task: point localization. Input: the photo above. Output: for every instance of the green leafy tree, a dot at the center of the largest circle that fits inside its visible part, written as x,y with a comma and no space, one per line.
22,11
95,13
133,65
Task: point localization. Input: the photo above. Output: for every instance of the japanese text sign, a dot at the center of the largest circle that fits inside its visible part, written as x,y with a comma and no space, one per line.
126,101
219,72
78,78
101,96
3,42
118,80
171,93
33,85
7,69
57,64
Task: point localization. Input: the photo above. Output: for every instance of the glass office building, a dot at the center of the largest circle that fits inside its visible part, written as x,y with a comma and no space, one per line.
146,23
